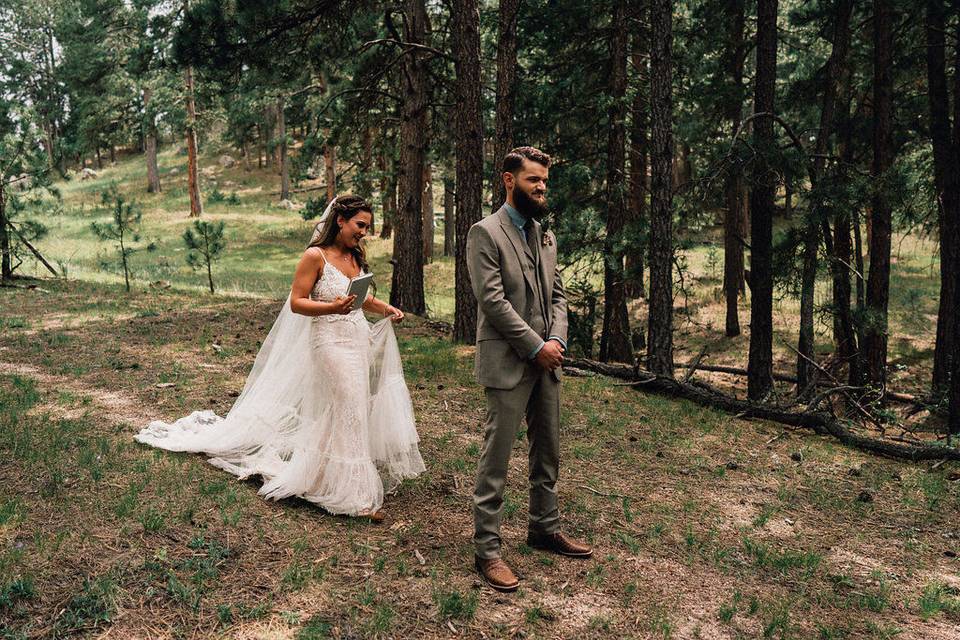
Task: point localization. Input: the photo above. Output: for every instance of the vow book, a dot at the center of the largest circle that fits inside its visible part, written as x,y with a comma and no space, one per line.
359,285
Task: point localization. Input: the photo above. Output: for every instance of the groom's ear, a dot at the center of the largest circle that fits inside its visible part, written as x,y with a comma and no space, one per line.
509,180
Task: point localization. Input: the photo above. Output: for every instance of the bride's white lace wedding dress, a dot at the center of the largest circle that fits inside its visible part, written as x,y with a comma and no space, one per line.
325,413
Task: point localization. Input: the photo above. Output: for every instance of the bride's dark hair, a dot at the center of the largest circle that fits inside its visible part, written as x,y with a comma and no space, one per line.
345,206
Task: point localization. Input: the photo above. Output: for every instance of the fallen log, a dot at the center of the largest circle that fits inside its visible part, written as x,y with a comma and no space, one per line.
905,398
818,422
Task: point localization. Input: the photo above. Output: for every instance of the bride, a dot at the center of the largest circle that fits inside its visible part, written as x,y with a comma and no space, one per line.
325,413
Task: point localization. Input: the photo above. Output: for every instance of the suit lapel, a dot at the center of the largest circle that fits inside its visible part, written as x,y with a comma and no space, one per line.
513,234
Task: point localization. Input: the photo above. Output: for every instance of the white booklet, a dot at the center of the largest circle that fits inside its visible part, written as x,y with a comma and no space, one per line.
359,286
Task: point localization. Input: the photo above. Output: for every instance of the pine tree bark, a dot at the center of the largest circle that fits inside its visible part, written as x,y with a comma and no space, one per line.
150,144
615,337
282,150
449,217
364,181
406,291
818,219
506,93
946,161
660,325
634,285
387,195
427,207
193,177
760,365
330,167
844,327
878,280
734,228
469,151
6,262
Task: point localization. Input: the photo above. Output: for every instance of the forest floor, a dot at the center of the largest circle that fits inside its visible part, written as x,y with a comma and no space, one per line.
705,526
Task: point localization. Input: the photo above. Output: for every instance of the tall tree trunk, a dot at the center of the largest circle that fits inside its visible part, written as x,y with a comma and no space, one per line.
261,146
469,149
364,179
844,327
878,281
245,152
387,196
6,262
449,218
406,291
615,337
946,162
427,208
660,325
150,144
282,148
48,143
330,167
99,159
818,219
506,93
760,366
806,356
953,424
269,127
193,178
734,229
638,163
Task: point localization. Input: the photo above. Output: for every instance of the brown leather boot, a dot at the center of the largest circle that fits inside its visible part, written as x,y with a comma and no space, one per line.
559,543
497,574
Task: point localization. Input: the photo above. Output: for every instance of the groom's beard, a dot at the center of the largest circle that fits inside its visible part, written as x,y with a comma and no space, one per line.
527,206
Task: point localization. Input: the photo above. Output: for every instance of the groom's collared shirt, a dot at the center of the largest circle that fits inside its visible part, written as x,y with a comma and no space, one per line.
519,221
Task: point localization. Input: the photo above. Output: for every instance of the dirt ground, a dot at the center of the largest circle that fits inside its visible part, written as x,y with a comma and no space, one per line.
705,526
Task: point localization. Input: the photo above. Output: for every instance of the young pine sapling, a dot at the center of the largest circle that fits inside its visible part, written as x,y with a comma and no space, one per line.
124,228
205,245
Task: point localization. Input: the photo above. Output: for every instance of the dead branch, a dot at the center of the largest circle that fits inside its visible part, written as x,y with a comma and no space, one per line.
694,366
786,377
33,249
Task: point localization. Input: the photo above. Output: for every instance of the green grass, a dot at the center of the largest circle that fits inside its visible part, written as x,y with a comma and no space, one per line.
455,605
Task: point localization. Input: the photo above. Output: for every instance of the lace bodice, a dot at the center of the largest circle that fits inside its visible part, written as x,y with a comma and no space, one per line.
333,283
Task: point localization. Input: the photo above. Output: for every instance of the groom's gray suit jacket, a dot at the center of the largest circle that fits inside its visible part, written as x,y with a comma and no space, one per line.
519,295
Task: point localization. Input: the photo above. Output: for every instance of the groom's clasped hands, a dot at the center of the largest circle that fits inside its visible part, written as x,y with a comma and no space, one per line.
550,357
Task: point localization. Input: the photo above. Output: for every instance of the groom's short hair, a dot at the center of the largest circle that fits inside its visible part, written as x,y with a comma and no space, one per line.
514,160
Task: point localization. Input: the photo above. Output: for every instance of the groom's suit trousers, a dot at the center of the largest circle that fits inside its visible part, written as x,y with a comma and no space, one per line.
536,398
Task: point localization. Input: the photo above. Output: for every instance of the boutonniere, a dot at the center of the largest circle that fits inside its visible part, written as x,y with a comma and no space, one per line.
546,240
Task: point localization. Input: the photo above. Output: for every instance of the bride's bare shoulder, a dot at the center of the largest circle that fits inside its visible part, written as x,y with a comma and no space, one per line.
313,254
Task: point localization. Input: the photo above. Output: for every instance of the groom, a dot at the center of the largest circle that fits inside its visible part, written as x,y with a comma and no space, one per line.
521,337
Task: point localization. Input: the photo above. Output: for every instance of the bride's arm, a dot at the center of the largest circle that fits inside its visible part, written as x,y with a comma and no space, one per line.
309,270
379,307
